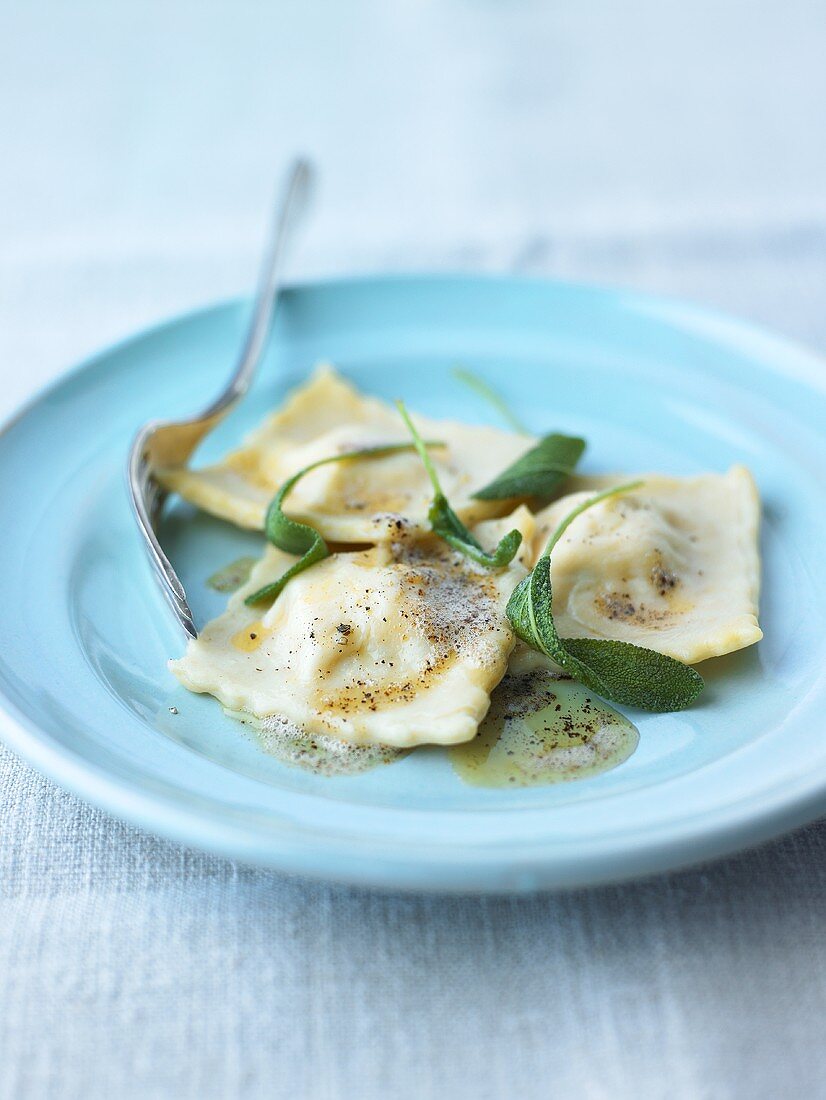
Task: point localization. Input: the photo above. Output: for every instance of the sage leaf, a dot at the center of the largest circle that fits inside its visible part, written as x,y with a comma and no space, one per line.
624,673
633,675
446,524
538,471
535,473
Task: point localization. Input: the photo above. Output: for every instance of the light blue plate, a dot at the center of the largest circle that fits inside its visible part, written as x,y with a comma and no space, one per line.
652,384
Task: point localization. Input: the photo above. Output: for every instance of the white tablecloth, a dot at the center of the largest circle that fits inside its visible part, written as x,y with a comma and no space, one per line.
666,146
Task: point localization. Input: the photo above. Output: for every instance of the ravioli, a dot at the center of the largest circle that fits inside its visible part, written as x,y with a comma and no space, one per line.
358,501
673,566
399,644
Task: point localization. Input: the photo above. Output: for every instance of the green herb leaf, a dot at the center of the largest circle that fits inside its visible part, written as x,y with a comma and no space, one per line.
447,525
300,538
537,472
478,384
620,671
633,675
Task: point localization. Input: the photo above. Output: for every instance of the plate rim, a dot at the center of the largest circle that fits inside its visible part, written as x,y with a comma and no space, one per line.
156,816
156,813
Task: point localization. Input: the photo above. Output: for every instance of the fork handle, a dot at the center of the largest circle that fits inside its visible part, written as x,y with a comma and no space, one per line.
145,495
289,209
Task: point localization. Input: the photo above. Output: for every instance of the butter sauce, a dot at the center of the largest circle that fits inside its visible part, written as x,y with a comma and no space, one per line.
317,753
232,576
541,730
251,637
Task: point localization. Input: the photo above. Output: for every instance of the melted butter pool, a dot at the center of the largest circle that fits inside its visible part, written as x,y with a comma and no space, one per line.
539,731
232,576
251,637
316,753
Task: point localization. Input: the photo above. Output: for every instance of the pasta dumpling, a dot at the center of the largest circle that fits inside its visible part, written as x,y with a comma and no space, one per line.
358,501
399,644
673,565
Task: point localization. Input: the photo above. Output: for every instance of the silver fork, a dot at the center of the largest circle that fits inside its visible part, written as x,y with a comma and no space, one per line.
168,443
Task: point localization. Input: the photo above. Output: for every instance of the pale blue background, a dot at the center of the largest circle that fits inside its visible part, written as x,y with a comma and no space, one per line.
666,146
